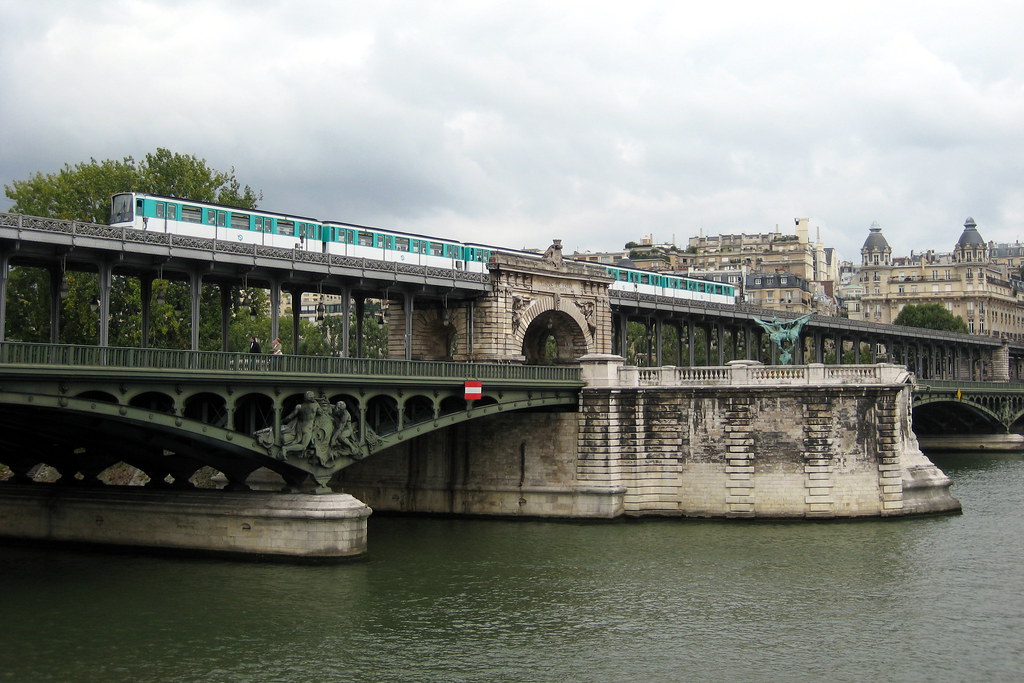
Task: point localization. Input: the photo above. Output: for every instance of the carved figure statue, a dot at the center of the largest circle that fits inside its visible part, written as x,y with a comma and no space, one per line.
344,438
519,305
318,432
782,332
297,426
587,310
553,255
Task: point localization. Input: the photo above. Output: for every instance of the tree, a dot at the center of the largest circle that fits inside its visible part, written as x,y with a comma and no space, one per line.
82,192
931,317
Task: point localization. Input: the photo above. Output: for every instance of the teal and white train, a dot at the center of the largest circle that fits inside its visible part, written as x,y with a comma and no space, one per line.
181,217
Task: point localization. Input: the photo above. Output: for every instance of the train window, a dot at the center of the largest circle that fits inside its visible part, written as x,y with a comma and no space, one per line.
452,251
191,214
366,239
436,249
268,224
285,227
402,243
159,209
644,279
222,218
258,224
239,221
172,211
419,246
211,217
121,208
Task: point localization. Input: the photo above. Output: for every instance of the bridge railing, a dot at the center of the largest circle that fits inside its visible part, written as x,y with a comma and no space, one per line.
28,354
755,374
609,371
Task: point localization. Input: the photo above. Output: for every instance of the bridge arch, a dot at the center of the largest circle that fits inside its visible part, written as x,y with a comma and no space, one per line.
553,334
153,400
207,407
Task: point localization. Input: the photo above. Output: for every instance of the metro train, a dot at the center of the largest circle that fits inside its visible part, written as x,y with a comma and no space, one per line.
181,217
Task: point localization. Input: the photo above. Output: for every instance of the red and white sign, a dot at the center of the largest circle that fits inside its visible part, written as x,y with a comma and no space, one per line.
474,390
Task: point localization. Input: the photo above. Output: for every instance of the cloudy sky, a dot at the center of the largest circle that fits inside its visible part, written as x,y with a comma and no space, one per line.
513,123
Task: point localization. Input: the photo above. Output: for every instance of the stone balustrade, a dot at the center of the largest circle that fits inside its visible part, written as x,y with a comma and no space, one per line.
608,371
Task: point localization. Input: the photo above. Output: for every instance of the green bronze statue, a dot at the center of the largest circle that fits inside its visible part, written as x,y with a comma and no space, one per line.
782,332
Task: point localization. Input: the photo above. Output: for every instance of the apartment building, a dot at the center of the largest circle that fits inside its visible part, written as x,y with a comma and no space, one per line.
971,282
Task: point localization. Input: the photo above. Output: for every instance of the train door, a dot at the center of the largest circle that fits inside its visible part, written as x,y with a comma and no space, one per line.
217,221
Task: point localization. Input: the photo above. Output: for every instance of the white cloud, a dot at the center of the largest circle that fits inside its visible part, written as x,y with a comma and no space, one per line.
519,122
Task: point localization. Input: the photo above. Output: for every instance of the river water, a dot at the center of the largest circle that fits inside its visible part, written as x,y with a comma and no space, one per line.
929,599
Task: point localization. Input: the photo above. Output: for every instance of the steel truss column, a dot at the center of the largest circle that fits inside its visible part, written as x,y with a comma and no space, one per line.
105,276
275,310
145,295
679,341
622,336
196,289
360,313
346,320
471,328
409,301
296,293
659,329
5,259
56,280
225,315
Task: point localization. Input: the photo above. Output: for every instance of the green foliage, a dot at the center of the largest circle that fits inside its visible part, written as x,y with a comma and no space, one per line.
325,338
931,317
82,192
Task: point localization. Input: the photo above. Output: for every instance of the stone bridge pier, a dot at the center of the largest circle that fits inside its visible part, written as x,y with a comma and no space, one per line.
745,440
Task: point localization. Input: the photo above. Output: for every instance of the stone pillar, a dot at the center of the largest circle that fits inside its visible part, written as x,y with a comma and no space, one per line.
739,463
601,369
1001,363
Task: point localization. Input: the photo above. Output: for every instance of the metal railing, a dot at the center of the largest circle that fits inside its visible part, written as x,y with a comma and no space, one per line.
28,354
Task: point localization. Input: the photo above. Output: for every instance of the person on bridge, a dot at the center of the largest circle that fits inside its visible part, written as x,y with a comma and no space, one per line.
254,345
275,347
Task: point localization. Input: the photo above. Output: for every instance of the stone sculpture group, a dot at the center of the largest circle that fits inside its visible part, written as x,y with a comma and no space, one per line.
319,432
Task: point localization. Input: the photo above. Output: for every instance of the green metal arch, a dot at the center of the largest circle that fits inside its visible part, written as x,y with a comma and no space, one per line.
248,448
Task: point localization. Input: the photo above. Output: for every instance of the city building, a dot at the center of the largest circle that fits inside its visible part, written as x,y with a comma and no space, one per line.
977,281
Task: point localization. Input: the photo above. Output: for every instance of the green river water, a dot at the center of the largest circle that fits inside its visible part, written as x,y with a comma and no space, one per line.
928,599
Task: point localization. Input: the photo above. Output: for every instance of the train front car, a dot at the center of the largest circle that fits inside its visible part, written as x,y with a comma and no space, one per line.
122,211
